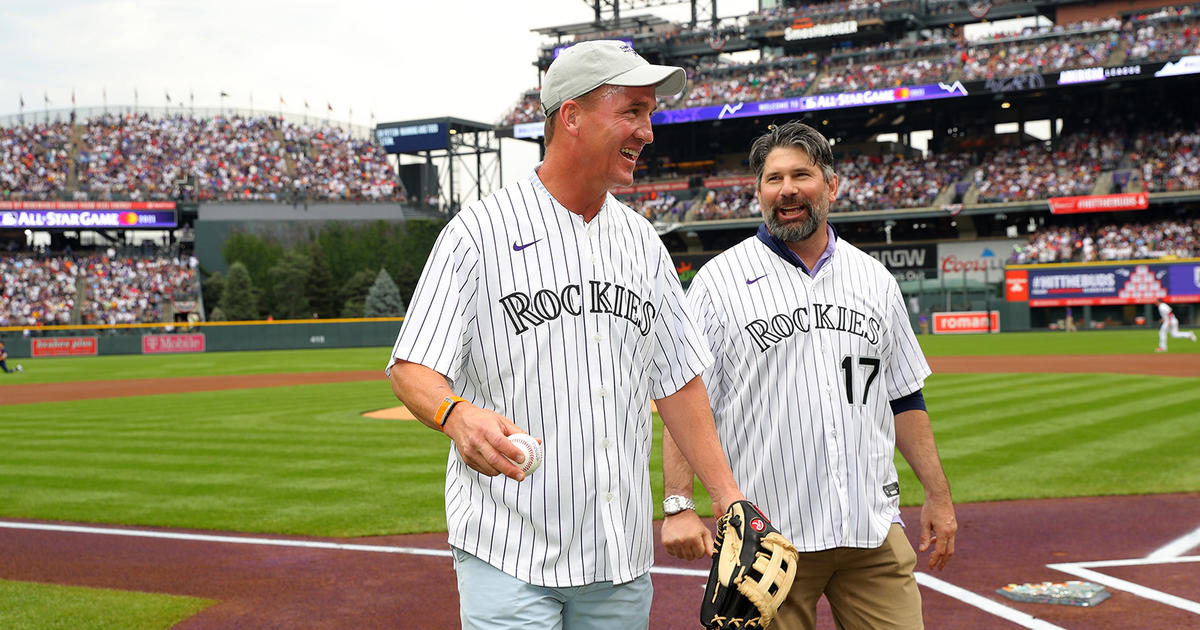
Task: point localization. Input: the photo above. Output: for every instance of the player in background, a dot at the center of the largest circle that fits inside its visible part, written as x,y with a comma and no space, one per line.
817,380
552,308
1170,325
4,360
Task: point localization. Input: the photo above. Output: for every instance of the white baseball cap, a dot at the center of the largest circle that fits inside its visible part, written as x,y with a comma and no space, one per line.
588,65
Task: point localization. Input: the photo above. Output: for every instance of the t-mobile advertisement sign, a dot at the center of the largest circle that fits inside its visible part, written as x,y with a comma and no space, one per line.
63,347
162,344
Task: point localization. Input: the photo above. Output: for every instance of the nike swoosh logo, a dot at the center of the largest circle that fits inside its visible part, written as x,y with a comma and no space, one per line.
517,247
749,281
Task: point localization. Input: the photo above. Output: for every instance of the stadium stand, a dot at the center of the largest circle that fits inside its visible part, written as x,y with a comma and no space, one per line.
230,158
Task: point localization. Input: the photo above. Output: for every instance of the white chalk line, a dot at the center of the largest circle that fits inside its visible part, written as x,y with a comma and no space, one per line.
953,591
1024,620
1168,554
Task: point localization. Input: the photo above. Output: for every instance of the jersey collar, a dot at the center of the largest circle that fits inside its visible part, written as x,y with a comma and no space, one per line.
783,251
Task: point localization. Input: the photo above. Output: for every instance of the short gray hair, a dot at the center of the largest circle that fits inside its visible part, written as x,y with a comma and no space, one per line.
792,134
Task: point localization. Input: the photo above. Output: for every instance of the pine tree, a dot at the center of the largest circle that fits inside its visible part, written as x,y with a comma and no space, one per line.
319,287
354,293
289,280
384,299
237,300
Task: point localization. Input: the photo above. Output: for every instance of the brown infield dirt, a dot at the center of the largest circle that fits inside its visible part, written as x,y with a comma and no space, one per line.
267,586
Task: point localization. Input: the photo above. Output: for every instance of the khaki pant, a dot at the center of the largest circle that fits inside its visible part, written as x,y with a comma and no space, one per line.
868,589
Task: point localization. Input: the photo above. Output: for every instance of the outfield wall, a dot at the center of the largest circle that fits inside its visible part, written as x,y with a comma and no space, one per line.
67,341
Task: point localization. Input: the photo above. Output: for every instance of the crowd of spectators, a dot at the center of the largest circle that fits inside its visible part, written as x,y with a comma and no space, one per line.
895,181
1128,241
1038,171
34,160
36,291
124,290
236,158
104,288
1170,160
940,56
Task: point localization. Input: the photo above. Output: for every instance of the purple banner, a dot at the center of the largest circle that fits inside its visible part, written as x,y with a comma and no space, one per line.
1184,279
87,219
1099,284
810,103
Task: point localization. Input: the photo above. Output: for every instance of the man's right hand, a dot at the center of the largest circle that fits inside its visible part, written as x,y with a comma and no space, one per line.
685,536
481,436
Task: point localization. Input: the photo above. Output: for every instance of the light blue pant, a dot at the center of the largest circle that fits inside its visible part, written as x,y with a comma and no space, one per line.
490,599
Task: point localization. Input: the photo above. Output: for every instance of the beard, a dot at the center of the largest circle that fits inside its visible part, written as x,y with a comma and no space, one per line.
795,230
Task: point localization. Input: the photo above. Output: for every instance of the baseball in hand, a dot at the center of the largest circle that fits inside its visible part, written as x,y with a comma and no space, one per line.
532,449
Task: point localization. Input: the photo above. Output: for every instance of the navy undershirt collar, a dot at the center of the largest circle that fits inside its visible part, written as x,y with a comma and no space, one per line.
783,251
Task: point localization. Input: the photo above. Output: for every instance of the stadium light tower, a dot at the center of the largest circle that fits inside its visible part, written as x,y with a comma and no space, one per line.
702,10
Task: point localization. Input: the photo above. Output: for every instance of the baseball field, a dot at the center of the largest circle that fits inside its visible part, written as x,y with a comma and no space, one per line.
247,489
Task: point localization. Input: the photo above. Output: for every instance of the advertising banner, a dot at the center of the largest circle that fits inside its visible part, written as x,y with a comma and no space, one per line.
979,261
679,184
1183,282
63,347
1099,203
84,219
965,322
1104,284
162,344
907,262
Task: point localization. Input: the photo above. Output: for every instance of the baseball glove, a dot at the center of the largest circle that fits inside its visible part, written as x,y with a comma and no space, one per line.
753,568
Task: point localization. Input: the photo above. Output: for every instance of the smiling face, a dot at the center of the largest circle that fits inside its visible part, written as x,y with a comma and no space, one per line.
614,126
794,195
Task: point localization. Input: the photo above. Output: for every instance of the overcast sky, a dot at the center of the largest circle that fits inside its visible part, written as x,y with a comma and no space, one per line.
401,59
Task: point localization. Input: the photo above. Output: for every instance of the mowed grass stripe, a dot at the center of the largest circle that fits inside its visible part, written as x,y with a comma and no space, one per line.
302,464
1043,408
1131,435
993,393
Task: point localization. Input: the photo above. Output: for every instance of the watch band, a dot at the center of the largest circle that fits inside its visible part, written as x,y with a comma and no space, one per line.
675,504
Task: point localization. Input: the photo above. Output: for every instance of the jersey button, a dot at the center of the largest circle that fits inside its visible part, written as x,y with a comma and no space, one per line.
604,443
608,497
598,337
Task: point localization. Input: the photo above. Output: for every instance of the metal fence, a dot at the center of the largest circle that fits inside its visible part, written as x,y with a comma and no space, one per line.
73,114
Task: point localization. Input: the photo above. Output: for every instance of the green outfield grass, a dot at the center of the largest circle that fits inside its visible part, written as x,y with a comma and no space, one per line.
302,460
1053,342
49,607
130,366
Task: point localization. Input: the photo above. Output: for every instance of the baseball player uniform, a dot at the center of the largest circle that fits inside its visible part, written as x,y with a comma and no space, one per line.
805,369
1169,326
569,328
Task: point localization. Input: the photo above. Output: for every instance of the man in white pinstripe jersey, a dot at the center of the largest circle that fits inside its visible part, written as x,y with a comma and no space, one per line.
817,380
553,309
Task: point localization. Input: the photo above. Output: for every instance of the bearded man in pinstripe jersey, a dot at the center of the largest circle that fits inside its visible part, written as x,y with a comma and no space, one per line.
817,380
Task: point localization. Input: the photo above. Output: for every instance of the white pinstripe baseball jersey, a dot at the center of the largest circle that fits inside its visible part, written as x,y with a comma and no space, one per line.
805,369
569,329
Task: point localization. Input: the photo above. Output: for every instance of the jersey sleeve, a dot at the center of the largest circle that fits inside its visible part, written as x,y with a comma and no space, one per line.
680,353
907,368
434,332
700,299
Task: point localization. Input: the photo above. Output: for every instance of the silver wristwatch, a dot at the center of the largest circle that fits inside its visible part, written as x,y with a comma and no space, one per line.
675,504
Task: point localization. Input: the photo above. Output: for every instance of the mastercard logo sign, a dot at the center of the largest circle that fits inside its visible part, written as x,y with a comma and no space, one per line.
901,93
128,218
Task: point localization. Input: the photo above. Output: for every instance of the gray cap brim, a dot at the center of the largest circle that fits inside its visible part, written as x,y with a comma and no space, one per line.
667,80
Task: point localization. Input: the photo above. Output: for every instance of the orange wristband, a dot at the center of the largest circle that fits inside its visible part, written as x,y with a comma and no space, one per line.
444,409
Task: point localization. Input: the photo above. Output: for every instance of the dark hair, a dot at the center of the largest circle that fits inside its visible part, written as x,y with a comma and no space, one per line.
792,134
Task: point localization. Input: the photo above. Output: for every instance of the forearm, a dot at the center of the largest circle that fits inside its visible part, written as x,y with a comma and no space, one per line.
677,474
421,389
914,438
689,420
